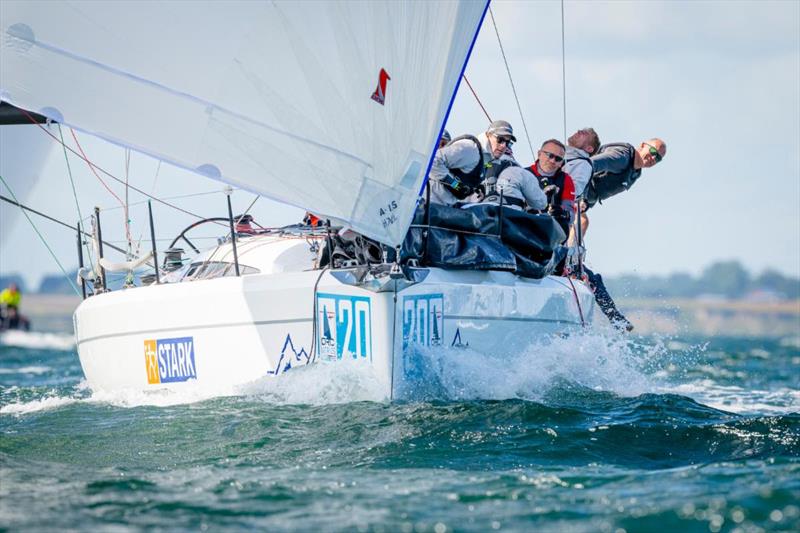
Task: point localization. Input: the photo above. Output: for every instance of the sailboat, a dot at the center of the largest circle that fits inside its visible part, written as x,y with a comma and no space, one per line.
334,107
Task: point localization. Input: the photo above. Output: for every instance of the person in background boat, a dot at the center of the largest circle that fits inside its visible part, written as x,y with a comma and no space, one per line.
445,139
556,184
10,317
460,167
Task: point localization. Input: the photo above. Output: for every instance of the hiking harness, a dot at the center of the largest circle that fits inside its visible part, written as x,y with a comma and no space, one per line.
462,184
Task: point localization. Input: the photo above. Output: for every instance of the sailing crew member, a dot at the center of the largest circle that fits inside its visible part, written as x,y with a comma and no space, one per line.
578,164
10,317
617,166
460,167
555,182
445,139
520,190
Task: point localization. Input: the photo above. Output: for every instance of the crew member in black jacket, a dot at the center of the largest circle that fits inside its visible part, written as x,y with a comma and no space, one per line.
617,166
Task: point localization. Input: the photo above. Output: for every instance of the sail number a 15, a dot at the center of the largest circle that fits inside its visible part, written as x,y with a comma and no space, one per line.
387,214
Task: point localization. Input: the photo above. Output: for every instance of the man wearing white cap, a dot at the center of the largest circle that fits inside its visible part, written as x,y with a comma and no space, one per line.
459,167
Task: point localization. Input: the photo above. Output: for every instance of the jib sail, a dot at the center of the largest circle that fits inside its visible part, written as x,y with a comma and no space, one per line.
330,106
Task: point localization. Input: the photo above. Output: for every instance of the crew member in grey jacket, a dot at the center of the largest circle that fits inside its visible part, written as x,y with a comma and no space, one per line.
617,166
459,167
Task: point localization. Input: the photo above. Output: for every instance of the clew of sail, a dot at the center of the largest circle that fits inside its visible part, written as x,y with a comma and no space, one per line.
334,107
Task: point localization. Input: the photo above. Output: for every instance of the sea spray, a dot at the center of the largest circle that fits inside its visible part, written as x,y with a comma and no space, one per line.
603,362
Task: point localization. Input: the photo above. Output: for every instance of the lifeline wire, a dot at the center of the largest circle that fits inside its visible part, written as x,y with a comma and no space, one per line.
51,219
69,279
508,70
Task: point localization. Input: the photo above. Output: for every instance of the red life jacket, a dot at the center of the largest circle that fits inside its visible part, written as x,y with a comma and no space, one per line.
562,180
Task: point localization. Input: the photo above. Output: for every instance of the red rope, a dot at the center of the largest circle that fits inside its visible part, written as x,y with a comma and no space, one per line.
476,97
91,167
110,175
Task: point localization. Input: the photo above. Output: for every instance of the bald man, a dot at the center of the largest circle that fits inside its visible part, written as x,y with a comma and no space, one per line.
617,166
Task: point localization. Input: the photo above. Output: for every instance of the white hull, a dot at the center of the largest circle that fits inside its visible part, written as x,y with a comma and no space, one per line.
230,331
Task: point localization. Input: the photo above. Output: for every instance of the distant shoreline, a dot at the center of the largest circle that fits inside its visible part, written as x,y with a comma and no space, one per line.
735,318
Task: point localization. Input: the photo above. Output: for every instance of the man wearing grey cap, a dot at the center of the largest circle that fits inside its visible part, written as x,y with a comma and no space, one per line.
459,167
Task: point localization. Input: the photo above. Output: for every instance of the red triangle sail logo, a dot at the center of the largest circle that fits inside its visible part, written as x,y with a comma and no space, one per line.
380,93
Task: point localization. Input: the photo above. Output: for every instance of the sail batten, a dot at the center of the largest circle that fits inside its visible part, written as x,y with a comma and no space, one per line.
329,106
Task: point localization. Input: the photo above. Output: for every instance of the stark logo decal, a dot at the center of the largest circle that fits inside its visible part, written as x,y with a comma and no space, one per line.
169,360
380,93
345,327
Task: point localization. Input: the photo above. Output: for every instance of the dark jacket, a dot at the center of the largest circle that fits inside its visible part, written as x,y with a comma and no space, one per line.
613,172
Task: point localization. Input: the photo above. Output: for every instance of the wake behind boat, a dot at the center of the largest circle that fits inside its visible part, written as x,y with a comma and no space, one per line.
335,110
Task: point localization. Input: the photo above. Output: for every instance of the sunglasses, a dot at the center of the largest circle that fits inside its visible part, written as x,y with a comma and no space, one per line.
654,152
552,156
504,140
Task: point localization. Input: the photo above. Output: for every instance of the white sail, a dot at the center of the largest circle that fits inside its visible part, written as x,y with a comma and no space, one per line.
334,107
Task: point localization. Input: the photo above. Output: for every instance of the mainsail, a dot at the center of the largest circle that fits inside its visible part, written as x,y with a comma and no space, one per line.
334,107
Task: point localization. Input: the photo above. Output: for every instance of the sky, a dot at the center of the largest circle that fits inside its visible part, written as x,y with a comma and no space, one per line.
718,81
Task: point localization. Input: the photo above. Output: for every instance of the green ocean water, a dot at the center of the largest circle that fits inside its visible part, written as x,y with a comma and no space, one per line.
597,434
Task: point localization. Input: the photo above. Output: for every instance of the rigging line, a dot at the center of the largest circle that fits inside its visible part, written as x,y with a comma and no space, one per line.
176,197
476,97
250,207
155,178
127,199
74,191
563,71
52,253
577,301
513,88
91,167
110,175
51,219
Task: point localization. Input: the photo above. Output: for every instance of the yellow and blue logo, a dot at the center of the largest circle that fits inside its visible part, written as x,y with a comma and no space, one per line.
169,360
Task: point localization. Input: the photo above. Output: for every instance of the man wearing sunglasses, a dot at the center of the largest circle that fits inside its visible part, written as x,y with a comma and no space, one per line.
617,166
460,167
556,183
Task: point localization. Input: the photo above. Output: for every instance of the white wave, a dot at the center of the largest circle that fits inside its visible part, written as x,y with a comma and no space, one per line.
25,370
591,360
33,406
37,340
737,399
191,393
341,381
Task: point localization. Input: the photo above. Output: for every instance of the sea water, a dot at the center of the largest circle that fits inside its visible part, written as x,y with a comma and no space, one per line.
593,432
